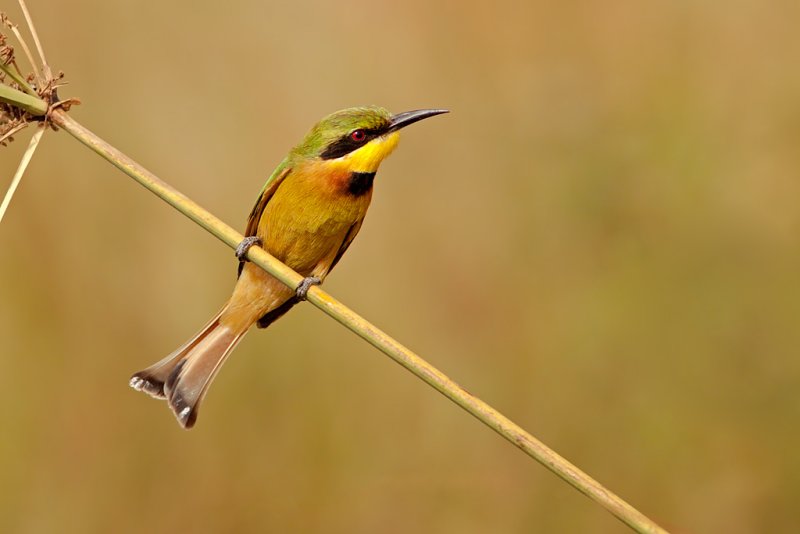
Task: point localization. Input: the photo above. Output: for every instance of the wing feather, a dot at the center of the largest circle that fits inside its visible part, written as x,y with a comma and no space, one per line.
348,238
264,197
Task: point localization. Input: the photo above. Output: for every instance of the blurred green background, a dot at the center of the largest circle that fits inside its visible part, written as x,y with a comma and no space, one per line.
602,240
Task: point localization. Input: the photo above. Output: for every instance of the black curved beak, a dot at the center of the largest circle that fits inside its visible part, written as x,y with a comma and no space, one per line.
401,120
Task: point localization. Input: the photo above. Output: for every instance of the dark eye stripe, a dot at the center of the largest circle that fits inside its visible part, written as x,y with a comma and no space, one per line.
345,144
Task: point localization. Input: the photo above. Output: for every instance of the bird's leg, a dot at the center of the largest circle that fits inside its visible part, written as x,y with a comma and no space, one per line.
244,246
305,285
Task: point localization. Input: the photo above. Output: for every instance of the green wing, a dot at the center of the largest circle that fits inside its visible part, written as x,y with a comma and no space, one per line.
266,194
351,234
264,197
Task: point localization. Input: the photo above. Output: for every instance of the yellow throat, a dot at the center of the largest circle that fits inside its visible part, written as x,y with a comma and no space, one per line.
369,157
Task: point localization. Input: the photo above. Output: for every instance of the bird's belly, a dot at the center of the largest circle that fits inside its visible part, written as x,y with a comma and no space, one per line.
312,233
303,251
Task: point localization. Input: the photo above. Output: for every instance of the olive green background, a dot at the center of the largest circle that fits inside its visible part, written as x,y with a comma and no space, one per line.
602,240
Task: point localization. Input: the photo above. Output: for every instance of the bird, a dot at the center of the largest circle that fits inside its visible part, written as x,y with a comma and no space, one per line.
306,215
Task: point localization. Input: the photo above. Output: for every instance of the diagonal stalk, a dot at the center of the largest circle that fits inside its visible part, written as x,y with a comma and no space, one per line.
17,77
25,49
35,106
392,348
23,165
48,75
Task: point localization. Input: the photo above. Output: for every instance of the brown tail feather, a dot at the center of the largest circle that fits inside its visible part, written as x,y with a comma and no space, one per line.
183,377
152,379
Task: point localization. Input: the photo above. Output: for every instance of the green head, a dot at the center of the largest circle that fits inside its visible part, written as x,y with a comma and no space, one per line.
345,132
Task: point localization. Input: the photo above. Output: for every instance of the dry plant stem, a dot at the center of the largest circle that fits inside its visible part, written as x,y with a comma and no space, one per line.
13,131
405,357
18,79
26,50
26,158
45,67
35,106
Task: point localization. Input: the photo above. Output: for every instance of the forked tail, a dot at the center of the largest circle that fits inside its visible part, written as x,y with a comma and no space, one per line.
183,377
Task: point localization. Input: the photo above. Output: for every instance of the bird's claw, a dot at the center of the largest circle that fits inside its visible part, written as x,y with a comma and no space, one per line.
302,290
244,246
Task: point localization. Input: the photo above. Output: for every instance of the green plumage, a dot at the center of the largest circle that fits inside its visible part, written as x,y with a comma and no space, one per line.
337,125
307,214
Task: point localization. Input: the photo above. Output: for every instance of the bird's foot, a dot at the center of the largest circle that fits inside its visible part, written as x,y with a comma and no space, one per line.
244,246
305,285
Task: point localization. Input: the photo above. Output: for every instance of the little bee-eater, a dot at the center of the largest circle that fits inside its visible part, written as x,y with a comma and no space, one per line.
307,214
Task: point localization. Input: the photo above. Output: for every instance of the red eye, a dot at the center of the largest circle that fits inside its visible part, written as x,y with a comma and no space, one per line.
358,135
